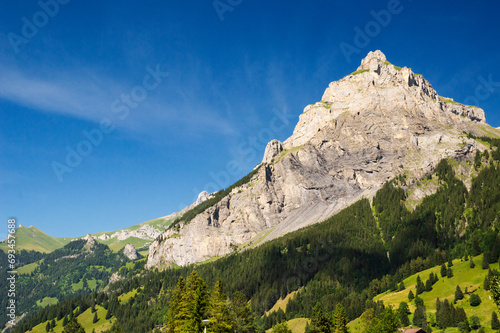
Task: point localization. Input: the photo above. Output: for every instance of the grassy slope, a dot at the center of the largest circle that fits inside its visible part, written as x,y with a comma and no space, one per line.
85,319
296,325
464,276
33,238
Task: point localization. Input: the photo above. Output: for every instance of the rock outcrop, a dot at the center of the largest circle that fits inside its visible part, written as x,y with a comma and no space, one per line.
130,252
369,127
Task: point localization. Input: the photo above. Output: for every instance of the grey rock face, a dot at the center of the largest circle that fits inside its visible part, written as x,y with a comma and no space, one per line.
273,149
368,128
130,251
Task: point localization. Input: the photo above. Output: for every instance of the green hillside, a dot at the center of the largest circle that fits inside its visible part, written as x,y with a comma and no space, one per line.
34,239
470,279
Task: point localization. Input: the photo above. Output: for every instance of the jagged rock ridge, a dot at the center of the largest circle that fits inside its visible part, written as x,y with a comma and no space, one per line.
369,127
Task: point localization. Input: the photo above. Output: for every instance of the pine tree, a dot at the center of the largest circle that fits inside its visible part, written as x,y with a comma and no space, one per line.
486,283
420,317
495,323
403,312
443,270
458,294
73,327
485,263
219,312
47,328
411,296
401,286
428,285
175,301
242,314
471,263
193,306
95,319
65,321
450,262
449,273
339,320
320,321
420,285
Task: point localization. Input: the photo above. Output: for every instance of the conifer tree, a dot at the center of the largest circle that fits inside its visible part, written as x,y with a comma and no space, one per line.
449,273
411,296
320,321
95,319
471,263
193,306
339,320
495,323
443,270
458,294
243,318
420,317
403,312
485,263
420,285
218,312
389,323
175,302
428,285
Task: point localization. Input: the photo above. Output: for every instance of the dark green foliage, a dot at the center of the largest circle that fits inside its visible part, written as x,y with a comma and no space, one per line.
280,328
95,319
474,322
458,294
411,296
477,160
485,264
447,315
443,270
419,301
495,323
420,286
486,283
403,312
420,317
73,327
340,320
389,323
450,261
449,273
474,300
401,286
428,285
471,263
390,209
321,322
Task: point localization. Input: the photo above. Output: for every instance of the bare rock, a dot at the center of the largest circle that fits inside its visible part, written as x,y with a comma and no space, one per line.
130,251
368,128
273,149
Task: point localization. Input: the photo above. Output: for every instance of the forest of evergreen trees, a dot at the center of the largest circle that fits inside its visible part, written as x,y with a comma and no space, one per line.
336,266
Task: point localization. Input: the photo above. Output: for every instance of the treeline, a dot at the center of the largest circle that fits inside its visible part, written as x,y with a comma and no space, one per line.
342,260
217,197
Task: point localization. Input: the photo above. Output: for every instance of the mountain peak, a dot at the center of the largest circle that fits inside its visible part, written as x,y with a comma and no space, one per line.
373,57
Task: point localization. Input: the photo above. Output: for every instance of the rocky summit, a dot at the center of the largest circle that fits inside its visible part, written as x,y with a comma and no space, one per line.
379,122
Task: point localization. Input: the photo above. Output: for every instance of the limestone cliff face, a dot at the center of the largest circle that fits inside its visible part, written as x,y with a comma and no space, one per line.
372,125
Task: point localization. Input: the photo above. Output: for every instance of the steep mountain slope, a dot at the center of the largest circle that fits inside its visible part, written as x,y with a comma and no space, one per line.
369,127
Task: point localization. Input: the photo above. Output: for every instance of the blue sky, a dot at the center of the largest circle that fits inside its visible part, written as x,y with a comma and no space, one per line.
163,99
